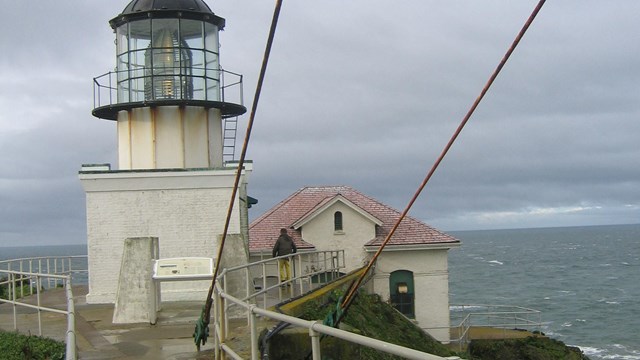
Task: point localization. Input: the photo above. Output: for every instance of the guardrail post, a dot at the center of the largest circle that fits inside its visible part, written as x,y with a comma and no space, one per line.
31,278
255,351
48,272
12,285
222,318
39,309
71,321
264,284
20,279
225,307
315,342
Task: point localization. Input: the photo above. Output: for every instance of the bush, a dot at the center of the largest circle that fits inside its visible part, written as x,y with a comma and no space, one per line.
14,346
22,287
531,348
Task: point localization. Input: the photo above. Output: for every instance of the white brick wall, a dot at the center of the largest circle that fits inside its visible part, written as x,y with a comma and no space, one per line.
184,209
431,285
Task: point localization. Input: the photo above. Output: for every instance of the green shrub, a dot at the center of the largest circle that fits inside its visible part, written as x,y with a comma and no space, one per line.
14,346
22,287
531,348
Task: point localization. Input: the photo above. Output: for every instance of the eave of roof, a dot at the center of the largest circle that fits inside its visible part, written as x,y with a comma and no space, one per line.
328,202
264,230
412,247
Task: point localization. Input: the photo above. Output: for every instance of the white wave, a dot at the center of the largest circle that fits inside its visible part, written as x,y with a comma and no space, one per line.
617,354
466,307
621,357
567,324
591,351
495,262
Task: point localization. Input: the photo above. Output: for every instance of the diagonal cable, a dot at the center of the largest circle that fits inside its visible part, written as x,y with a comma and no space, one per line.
245,145
349,298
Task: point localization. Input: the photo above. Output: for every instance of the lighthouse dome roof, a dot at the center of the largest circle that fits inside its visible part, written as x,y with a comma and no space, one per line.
189,9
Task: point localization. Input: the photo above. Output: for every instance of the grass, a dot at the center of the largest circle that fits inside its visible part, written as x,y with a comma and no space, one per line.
371,317
14,346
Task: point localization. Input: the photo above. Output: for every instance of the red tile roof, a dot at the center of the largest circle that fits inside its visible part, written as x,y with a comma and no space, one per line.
264,231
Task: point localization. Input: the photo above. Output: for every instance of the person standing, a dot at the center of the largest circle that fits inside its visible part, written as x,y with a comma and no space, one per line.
284,246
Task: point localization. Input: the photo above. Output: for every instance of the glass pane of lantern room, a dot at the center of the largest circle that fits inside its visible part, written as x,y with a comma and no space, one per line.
139,34
191,33
198,74
211,38
139,41
122,39
122,63
123,78
164,33
212,63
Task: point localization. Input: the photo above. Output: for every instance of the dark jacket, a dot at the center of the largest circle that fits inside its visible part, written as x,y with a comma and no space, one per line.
284,246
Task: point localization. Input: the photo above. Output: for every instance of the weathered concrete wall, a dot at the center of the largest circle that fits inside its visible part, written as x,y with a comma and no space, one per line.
136,293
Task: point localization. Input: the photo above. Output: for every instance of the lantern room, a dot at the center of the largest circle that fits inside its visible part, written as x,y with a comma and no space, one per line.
170,56
168,91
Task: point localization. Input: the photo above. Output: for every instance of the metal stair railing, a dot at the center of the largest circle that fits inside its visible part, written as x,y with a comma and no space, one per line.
253,303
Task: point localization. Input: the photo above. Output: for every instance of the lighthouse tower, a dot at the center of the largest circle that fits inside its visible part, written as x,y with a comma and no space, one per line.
175,110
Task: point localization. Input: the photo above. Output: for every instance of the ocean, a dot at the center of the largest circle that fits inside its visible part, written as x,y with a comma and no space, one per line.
585,280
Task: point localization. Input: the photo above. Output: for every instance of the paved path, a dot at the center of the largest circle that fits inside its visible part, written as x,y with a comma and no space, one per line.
97,338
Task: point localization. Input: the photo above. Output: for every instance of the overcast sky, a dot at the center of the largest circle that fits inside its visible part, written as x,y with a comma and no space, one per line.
361,93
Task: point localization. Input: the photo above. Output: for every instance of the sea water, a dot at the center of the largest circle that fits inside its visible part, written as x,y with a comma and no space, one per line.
585,280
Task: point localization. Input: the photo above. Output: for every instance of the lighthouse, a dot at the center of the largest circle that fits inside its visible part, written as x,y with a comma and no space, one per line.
175,110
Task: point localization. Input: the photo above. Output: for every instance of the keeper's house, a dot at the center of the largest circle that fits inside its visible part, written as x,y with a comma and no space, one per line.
412,271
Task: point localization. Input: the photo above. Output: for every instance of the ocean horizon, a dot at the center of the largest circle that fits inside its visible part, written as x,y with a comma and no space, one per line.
584,280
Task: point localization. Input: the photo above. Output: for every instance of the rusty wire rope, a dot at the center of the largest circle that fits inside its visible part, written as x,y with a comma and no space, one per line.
263,69
353,289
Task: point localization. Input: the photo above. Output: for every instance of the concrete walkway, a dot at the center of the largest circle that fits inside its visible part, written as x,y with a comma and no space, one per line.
97,338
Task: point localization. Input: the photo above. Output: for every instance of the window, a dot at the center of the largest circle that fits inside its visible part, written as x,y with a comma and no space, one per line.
337,221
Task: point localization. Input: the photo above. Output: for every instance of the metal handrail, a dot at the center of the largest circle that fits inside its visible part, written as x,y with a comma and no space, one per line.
258,275
247,302
57,265
509,316
60,274
104,85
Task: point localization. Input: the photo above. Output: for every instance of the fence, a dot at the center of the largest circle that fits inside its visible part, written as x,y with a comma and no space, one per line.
503,317
122,87
253,301
41,274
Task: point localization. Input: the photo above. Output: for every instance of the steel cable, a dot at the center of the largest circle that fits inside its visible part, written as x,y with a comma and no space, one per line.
263,69
353,289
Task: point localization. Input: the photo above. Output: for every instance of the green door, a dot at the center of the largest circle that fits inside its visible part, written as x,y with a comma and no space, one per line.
402,292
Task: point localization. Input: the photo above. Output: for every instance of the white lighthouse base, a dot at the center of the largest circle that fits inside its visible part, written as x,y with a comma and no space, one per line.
184,208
